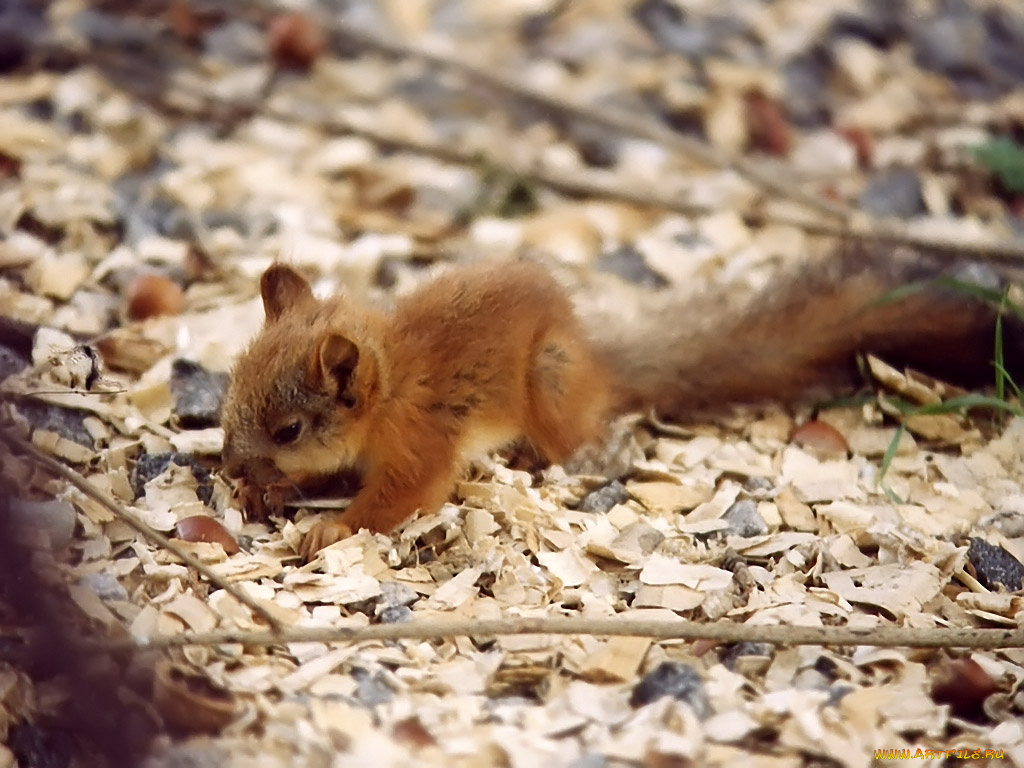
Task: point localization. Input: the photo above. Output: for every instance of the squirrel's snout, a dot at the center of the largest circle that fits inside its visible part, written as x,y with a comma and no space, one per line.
261,471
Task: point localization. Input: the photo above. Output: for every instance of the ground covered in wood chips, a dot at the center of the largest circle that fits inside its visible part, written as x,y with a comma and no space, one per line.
155,158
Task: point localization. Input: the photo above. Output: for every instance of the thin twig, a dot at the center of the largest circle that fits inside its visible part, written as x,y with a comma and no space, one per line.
54,467
583,183
622,123
681,629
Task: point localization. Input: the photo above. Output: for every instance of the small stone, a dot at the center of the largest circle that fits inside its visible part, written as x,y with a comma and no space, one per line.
236,41
1005,42
744,519
994,566
758,485
896,192
105,585
395,614
69,423
683,33
197,394
604,498
734,652
807,88
628,263
394,594
373,689
879,23
950,43
675,679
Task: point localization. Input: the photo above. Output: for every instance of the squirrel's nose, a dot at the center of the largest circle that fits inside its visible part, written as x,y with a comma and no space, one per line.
259,470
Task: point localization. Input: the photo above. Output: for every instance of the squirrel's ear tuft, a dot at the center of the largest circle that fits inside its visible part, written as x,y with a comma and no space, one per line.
334,365
283,287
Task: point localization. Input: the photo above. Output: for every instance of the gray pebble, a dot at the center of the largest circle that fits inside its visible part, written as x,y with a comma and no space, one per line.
604,498
675,679
236,41
895,192
629,264
197,394
744,519
394,594
373,689
995,566
105,585
807,88
395,614
69,423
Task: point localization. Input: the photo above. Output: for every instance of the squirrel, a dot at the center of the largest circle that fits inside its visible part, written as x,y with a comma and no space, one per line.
490,353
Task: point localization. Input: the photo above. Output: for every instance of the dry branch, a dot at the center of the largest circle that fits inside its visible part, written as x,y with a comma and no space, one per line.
588,184
681,629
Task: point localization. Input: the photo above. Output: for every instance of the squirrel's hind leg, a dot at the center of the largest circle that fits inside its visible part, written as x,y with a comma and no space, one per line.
568,396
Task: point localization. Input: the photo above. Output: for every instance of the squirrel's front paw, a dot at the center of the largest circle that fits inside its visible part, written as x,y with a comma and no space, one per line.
323,534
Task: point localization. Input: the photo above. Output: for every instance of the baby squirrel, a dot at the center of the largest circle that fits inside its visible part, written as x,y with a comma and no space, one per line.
490,353
465,364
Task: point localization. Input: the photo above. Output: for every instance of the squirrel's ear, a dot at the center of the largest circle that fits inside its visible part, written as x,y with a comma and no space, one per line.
282,287
334,363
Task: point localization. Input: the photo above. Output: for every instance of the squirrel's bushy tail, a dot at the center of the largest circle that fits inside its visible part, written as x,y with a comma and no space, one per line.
800,335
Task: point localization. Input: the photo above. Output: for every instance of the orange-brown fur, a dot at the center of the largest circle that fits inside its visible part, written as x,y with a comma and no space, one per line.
487,354
465,364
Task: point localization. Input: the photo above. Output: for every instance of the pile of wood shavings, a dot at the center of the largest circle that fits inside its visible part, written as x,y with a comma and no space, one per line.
764,518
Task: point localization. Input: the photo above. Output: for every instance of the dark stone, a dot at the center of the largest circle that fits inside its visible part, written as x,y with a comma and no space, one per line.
107,30
604,498
758,485
373,689
895,192
994,566
394,594
197,394
152,465
679,32
880,23
950,44
395,614
1005,42
599,148
734,652
675,679
838,692
105,585
744,519
66,422
629,264
807,87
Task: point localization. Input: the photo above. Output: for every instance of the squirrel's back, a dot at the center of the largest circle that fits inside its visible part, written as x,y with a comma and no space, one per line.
800,335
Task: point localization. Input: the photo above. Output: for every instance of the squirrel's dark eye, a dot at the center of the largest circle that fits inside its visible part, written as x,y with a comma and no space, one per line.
289,433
